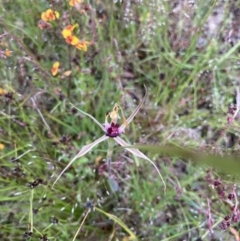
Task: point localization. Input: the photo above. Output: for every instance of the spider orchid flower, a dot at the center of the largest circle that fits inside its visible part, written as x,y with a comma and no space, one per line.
113,130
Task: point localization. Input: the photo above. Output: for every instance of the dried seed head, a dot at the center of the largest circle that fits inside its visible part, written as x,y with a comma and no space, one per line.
235,218
227,217
216,183
231,196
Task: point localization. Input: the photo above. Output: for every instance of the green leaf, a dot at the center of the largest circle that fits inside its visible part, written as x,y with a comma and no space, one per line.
228,163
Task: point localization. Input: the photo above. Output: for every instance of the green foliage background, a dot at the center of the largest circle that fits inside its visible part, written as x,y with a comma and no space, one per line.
187,55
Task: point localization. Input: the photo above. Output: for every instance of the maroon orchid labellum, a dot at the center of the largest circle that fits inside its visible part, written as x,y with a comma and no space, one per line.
113,130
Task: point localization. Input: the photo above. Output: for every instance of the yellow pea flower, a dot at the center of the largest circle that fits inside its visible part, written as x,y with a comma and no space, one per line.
3,91
73,40
66,33
49,15
70,38
68,30
72,3
8,53
82,45
1,146
55,68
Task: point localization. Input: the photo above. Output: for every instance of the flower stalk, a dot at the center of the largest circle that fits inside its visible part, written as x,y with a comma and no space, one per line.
111,144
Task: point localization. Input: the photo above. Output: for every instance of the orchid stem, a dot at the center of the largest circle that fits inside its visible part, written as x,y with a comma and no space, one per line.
109,155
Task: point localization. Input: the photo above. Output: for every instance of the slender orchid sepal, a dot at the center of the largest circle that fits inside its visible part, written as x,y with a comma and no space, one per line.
84,150
90,116
138,153
130,118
